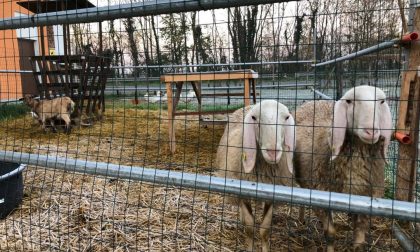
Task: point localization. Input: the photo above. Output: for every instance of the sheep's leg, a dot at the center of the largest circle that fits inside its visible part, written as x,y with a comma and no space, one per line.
248,219
53,125
43,124
328,226
266,226
66,119
360,223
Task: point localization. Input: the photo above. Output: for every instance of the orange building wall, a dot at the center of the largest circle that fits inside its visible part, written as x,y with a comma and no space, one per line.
10,83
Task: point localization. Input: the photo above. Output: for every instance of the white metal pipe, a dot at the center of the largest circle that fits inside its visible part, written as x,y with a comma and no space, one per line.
134,9
334,201
144,88
372,49
409,245
321,94
220,64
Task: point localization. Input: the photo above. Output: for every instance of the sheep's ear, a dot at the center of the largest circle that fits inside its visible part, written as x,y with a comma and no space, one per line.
249,154
290,141
385,125
339,127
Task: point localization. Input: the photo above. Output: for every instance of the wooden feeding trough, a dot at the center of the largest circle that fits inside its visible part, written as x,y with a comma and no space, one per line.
80,77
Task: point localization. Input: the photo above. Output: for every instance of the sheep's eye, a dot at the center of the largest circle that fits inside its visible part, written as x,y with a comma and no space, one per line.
348,101
383,101
254,118
287,118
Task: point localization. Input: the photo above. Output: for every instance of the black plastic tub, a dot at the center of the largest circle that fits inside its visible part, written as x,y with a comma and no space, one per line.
11,187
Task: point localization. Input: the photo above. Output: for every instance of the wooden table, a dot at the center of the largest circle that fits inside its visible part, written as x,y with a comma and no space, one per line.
195,79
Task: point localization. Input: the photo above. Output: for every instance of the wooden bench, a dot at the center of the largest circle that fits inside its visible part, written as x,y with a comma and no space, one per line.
195,78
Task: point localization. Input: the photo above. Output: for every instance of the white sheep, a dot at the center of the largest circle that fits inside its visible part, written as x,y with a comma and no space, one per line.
159,97
49,110
342,147
187,98
257,145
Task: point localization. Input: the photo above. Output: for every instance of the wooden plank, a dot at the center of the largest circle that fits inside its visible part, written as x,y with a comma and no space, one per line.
197,90
227,111
86,68
226,94
407,162
171,124
36,64
62,84
96,89
215,122
408,117
222,94
208,76
61,58
177,94
59,72
246,92
254,92
90,87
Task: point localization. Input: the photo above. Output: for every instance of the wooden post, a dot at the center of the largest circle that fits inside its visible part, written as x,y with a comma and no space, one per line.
100,38
42,35
254,92
197,90
68,39
408,120
64,30
246,92
171,124
65,39
177,95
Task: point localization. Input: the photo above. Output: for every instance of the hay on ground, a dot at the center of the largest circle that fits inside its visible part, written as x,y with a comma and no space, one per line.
64,211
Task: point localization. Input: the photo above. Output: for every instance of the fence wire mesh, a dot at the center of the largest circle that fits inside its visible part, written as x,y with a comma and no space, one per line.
119,132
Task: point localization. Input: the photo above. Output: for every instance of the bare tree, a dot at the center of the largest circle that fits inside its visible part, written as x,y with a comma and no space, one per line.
114,37
202,43
134,52
175,31
157,44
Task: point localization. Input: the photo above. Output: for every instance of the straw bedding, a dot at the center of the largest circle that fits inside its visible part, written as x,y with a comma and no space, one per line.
64,211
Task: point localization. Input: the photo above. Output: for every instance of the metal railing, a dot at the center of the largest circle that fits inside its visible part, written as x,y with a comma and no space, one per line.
334,201
376,48
135,9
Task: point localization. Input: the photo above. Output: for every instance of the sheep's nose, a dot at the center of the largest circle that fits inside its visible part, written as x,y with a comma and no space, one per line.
372,132
272,154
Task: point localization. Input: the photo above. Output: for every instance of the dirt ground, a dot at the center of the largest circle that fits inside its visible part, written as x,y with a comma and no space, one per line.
64,211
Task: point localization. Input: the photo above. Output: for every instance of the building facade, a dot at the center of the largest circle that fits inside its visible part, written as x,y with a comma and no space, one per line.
16,46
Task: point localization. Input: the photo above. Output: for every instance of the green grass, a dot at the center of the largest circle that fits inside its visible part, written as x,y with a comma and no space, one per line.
390,174
389,191
11,111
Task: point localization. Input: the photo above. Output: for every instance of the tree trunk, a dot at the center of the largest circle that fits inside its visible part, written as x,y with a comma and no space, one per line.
158,53
130,29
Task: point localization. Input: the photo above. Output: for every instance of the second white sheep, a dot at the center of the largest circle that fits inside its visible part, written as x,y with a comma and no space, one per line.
342,147
257,145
